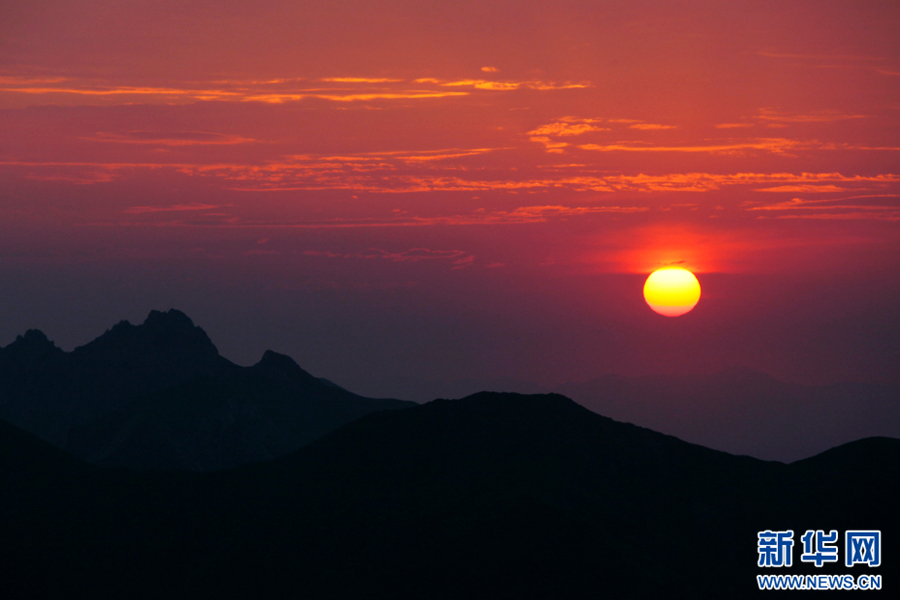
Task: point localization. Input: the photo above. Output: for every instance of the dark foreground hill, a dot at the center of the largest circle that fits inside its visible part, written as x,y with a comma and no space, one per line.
159,395
491,496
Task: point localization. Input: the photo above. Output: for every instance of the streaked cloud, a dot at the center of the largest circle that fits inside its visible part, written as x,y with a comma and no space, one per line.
572,126
566,128
139,210
271,91
325,254
807,188
851,57
478,217
575,126
874,64
845,216
441,170
279,98
835,208
549,144
457,259
713,180
148,93
361,80
774,145
651,126
483,84
174,138
19,80
563,127
415,255
773,118
770,114
520,215
411,255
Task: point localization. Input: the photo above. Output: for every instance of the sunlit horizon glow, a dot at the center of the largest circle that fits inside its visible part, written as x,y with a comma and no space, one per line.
469,167
672,291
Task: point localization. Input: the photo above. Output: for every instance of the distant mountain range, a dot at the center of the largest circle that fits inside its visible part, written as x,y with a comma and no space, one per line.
491,496
266,481
159,395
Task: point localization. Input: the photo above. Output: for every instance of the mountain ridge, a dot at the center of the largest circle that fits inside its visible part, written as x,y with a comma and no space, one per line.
160,395
738,410
746,412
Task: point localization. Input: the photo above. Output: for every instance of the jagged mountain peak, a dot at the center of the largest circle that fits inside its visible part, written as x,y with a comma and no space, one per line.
32,345
171,319
161,331
175,326
280,362
158,394
272,358
34,338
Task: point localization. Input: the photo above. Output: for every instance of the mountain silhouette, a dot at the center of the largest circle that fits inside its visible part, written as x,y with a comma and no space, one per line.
490,496
159,395
746,412
738,410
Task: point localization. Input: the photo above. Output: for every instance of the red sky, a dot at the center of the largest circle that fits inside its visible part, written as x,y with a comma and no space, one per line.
459,189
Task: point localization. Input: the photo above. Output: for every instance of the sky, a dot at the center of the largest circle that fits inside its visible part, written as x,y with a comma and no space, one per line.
391,190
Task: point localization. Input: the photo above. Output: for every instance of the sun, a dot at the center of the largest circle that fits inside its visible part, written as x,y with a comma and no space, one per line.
672,291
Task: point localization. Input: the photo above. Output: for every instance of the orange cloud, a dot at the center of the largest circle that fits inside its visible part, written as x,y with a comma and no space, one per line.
520,215
769,114
834,208
177,138
797,189
650,126
158,93
848,216
279,98
775,145
361,80
565,128
483,84
139,210
549,144
438,170
839,61
272,91
26,80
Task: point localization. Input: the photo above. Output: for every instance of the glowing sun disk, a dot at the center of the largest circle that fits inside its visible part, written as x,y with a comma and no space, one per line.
672,291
